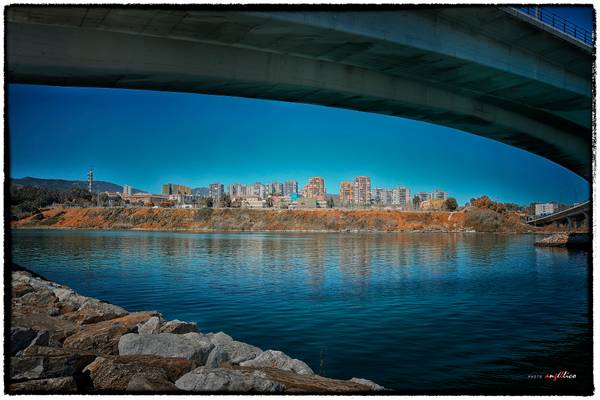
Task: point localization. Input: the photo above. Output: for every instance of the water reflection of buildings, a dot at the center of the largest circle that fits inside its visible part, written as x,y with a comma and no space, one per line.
315,258
355,258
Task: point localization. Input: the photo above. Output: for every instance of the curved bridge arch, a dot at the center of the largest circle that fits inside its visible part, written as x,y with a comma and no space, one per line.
474,69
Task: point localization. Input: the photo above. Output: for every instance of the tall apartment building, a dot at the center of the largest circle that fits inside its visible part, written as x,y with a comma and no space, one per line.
216,192
382,196
290,187
233,189
439,194
346,193
362,190
315,188
260,190
424,196
401,197
386,197
126,190
276,188
376,195
254,189
172,188
545,209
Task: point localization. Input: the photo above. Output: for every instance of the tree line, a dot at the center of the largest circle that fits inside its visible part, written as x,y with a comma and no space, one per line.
25,201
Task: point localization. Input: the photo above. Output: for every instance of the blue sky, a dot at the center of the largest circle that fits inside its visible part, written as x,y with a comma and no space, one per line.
581,16
145,139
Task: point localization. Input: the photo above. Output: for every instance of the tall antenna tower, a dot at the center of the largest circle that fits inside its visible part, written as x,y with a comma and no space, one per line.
90,179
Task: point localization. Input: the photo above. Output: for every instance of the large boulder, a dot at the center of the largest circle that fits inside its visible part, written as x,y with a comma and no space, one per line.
177,326
205,379
20,288
38,300
217,357
151,326
296,383
61,384
92,311
106,374
192,346
227,349
103,337
372,385
58,328
173,367
68,299
219,337
277,359
40,362
149,383
20,338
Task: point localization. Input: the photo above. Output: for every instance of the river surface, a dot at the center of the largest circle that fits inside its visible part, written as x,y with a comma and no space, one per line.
414,312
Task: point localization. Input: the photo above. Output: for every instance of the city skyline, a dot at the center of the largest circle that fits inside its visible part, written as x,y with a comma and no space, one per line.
144,139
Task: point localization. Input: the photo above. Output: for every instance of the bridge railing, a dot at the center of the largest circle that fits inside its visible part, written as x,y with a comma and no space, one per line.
559,23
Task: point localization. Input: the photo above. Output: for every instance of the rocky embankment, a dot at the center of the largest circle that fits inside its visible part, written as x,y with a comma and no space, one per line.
566,240
213,220
61,341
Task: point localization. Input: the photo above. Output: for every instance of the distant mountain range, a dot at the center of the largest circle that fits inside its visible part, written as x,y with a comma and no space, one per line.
99,186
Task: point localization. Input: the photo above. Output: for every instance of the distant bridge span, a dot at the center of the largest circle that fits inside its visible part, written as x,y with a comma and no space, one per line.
570,216
491,71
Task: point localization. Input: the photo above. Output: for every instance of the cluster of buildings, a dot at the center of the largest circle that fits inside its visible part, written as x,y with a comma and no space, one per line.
357,193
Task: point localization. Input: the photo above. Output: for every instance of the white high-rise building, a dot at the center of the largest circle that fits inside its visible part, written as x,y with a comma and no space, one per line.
290,187
401,197
545,209
126,190
216,192
439,194
362,190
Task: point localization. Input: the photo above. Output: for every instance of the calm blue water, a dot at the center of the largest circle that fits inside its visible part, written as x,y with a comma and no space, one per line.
425,312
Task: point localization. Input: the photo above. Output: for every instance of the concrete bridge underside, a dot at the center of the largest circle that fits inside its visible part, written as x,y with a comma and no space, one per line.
484,70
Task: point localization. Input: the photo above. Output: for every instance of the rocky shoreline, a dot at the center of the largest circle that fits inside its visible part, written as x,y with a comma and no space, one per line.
253,220
61,341
566,240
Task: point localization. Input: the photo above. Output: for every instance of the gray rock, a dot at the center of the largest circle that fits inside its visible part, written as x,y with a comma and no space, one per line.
192,346
41,339
217,356
40,298
150,383
20,338
368,383
151,326
219,337
92,311
177,326
58,328
103,337
40,362
106,374
62,384
279,360
237,352
22,368
204,379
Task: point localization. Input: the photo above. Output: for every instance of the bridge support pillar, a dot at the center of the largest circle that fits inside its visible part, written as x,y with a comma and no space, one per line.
570,222
586,219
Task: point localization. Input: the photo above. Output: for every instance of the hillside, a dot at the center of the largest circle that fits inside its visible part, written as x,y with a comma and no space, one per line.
61,184
207,220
